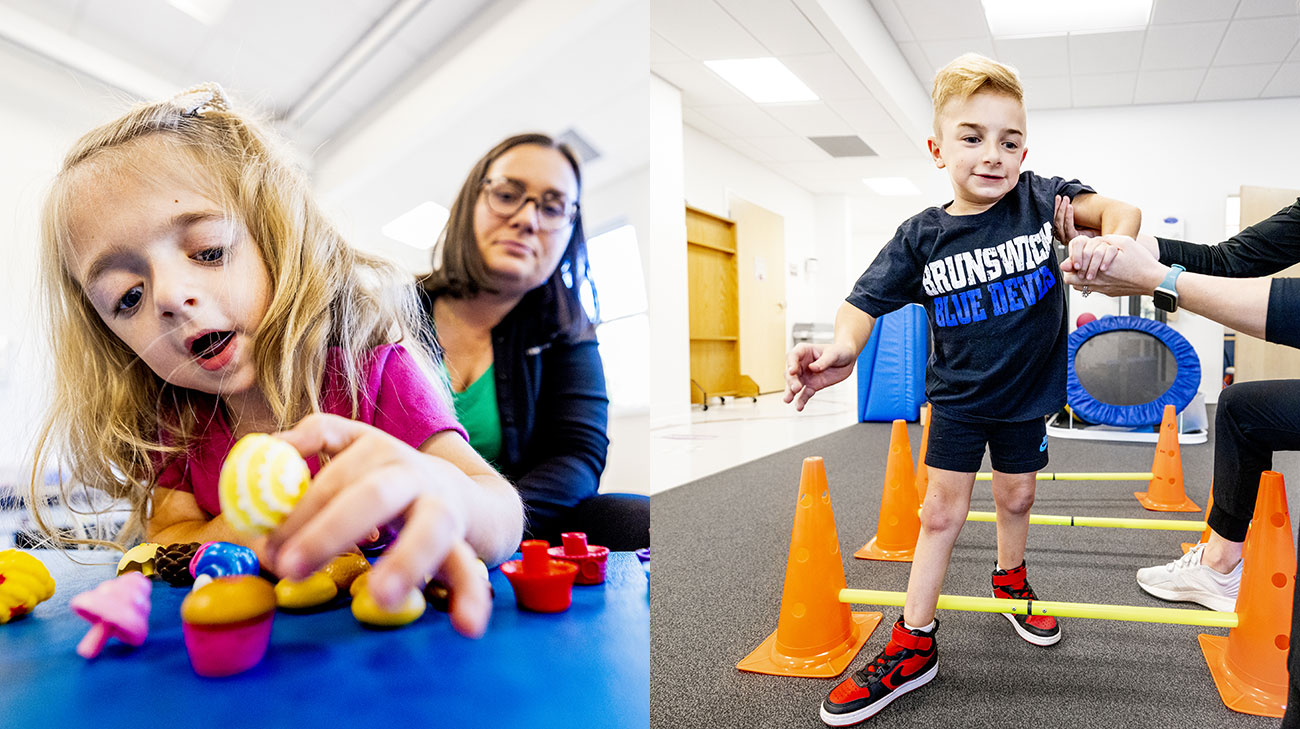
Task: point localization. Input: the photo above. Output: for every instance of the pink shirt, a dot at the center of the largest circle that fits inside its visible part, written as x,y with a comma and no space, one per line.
396,398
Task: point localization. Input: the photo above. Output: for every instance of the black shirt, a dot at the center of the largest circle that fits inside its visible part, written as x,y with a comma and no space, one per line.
992,291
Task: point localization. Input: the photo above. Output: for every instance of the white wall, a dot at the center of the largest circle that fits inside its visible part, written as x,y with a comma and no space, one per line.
43,112
670,395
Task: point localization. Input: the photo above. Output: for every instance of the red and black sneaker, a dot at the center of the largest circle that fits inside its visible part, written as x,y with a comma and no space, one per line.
909,661
1037,629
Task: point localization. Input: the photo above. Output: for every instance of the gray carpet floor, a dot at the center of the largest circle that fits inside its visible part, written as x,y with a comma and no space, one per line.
720,549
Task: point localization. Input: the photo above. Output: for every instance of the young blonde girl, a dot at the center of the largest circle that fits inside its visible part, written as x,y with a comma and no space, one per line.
196,293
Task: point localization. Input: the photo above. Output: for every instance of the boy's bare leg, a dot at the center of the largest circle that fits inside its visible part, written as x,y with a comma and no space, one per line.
947,501
1014,495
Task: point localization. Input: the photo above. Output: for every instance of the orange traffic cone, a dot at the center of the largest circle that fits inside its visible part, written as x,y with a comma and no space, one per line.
1165,490
923,474
1205,533
900,522
1249,666
816,635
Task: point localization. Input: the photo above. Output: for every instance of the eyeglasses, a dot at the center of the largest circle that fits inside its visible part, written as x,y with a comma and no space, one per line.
507,197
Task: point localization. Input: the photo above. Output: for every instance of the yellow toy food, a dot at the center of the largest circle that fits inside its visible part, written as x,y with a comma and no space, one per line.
316,589
261,480
345,569
139,558
366,610
24,584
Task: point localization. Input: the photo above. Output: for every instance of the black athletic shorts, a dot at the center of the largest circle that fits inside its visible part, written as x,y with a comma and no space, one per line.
956,445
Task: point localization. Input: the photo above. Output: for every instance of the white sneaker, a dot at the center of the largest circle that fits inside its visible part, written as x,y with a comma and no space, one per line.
1187,580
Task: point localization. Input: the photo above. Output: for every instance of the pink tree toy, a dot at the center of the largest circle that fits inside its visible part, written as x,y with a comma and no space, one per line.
118,609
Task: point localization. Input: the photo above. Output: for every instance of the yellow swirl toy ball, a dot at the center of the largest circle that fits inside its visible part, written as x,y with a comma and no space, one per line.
261,480
24,583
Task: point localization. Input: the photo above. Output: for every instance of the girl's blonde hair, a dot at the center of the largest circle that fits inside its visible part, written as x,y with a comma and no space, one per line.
969,73
113,422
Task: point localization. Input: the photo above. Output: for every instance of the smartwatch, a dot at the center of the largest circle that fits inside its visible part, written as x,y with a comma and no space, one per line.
1165,297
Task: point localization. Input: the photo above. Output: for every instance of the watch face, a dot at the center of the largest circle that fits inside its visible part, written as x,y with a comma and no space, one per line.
1164,300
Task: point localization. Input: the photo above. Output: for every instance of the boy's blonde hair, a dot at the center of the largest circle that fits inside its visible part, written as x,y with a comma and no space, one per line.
969,73
113,422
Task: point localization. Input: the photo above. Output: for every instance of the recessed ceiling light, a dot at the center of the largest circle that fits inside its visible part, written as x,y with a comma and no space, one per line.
418,227
892,186
1010,18
765,80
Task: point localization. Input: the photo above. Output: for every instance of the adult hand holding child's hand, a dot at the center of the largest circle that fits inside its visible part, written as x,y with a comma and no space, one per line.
1115,265
372,479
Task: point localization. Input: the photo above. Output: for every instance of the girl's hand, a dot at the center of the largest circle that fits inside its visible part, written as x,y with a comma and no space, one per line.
372,479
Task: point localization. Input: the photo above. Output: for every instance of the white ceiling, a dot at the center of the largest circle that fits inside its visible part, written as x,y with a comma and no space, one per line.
427,85
872,70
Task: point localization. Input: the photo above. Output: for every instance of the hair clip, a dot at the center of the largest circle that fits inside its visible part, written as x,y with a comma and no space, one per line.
196,100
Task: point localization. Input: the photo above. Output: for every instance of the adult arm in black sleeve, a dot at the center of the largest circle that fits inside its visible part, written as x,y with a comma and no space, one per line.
1261,249
566,454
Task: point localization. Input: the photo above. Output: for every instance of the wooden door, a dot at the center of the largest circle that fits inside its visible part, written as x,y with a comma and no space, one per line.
760,258
714,320
1256,359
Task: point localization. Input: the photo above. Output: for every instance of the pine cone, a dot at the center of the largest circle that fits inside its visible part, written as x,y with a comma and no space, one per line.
173,563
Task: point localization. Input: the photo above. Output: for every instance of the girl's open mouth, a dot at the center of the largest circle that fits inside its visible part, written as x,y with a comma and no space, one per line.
211,345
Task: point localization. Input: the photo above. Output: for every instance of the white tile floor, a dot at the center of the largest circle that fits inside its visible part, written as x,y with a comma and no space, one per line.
741,431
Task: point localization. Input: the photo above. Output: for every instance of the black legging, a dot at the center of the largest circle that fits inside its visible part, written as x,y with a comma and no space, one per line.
1253,420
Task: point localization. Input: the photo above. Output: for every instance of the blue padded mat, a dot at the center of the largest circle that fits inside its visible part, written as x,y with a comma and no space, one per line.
588,666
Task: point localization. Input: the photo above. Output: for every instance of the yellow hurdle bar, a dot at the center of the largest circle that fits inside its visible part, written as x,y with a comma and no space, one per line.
1172,525
1046,476
1135,614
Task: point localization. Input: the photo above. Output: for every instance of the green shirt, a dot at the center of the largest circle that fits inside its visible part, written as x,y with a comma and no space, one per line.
476,409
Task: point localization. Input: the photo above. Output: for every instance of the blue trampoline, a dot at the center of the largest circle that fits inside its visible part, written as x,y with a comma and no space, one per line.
1123,370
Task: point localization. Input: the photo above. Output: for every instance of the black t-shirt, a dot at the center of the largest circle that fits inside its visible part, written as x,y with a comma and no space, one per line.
992,290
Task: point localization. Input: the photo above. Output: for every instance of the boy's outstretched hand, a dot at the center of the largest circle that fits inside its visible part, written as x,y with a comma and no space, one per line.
812,367
372,479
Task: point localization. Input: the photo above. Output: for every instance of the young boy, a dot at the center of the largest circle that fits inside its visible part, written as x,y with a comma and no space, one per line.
984,267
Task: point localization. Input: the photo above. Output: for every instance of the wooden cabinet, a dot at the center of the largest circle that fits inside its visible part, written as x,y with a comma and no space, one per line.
714,311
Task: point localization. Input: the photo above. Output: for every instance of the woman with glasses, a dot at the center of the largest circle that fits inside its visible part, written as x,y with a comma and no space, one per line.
519,349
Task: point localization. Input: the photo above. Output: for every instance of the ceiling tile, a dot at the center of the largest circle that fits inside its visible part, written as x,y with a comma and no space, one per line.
827,76
789,148
748,149
744,120
58,14
921,65
893,144
1167,12
1106,52
1172,86
1103,89
1181,46
1049,56
1266,8
778,25
894,21
1262,40
941,52
864,115
661,51
809,120
699,85
932,20
704,124
1047,92
166,47
703,30
1235,82
431,26
1286,82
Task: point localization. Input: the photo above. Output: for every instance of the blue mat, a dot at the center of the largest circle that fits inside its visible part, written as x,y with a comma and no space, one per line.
588,666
